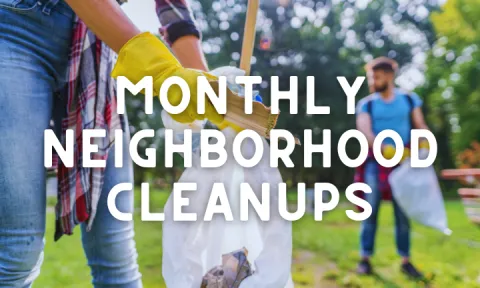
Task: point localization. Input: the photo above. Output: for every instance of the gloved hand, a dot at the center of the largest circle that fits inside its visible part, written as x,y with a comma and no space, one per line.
424,145
231,72
388,151
145,55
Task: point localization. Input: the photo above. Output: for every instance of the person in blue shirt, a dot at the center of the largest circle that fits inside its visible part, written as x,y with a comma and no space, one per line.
386,108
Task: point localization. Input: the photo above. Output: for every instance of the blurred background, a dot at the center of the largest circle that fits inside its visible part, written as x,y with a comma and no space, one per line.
436,44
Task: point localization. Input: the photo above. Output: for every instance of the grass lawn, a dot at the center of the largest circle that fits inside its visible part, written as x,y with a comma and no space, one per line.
325,253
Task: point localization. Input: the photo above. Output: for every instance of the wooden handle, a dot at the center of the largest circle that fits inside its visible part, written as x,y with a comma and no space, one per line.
249,36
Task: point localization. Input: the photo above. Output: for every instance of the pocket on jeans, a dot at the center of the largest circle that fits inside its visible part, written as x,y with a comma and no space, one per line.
19,6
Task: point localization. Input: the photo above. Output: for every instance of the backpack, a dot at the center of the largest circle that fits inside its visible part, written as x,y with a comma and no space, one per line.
410,104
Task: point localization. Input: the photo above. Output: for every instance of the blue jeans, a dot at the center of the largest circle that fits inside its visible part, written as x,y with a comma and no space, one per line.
369,226
34,45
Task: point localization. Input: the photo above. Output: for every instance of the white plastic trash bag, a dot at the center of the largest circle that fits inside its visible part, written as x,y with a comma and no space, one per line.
191,249
417,192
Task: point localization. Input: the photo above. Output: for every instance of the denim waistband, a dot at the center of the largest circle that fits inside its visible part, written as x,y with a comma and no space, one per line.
60,6
47,6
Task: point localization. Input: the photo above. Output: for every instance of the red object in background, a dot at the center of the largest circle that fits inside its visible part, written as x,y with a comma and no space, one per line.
469,193
460,173
265,43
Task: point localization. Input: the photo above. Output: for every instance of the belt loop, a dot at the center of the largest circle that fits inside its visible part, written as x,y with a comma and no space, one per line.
47,9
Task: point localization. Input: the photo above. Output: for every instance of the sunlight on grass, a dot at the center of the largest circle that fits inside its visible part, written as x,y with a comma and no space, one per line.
332,245
303,275
449,261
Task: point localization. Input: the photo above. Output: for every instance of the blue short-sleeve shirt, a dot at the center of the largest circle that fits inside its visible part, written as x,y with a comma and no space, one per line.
394,114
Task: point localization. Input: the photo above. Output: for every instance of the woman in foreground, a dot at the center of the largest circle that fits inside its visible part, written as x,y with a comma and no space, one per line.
51,61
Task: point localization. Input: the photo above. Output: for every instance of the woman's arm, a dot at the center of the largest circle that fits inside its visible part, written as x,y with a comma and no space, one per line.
189,52
142,54
180,31
113,27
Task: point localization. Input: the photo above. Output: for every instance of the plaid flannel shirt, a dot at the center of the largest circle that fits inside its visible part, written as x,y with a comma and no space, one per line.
382,177
90,103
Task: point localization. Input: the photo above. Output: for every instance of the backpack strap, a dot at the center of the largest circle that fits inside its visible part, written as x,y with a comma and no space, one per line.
369,107
411,106
369,111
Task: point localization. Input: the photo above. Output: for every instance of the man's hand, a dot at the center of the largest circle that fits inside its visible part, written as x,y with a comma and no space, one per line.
388,152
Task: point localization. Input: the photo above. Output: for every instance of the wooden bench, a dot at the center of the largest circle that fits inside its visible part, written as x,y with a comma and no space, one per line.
452,174
470,196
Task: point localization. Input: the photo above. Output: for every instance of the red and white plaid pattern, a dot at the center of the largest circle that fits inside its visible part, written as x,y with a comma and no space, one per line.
382,178
91,104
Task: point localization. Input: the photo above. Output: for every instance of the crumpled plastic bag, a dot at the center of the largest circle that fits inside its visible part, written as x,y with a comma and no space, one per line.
234,269
417,192
192,249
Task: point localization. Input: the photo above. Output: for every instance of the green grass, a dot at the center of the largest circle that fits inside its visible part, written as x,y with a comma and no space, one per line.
450,261
325,253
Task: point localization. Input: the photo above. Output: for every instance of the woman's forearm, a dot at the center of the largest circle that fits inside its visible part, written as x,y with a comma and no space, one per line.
180,31
189,52
107,20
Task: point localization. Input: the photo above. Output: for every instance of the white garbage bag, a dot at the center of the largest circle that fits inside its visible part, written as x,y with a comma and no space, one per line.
191,249
417,192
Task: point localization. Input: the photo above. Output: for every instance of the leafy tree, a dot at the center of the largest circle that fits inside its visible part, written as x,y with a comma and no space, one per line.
452,76
323,39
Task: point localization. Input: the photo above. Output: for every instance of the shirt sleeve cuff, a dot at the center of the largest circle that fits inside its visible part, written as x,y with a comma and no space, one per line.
174,31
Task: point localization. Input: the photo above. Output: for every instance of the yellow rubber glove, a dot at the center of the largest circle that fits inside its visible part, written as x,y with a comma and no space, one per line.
145,55
388,151
226,124
424,145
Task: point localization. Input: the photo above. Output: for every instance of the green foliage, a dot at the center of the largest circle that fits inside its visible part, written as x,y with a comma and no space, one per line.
452,74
